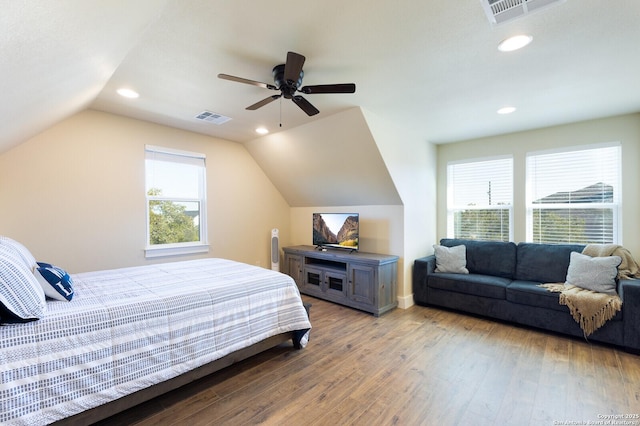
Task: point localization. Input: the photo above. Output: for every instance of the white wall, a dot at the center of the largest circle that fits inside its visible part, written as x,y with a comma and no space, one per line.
75,194
625,129
333,161
335,164
411,162
405,162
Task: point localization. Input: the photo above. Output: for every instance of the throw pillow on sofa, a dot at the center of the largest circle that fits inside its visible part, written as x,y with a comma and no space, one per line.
451,259
593,273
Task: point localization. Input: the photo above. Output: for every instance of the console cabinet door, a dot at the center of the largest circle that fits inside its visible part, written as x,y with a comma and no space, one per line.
293,265
362,284
313,280
335,283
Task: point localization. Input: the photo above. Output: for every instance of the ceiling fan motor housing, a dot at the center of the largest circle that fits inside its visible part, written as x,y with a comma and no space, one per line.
288,88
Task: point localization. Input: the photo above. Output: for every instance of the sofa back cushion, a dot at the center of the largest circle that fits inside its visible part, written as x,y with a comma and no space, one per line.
487,257
544,263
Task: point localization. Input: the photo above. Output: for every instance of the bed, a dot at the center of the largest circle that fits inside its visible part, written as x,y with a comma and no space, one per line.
131,334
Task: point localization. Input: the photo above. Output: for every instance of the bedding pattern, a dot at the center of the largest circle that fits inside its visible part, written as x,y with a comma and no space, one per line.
127,329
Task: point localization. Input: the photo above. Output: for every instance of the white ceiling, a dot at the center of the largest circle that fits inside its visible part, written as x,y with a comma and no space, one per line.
429,66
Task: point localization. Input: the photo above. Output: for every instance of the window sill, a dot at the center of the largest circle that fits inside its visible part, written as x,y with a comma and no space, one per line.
175,250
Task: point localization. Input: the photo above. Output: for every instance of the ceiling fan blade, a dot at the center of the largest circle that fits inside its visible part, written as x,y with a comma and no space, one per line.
329,88
263,102
305,105
293,66
247,81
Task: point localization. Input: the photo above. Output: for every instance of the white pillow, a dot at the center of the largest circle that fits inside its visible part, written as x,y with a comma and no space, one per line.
451,259
21,251
21,296
593,273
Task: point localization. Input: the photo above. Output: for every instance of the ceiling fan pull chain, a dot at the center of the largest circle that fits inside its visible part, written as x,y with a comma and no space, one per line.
280,112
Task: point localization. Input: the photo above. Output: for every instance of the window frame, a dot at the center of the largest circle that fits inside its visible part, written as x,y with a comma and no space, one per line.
453,209
615,205
172,249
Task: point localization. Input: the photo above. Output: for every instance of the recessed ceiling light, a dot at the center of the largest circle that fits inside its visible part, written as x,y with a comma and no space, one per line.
262,130
506,110
514,43
128,93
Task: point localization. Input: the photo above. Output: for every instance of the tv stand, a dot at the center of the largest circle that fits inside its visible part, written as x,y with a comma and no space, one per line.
365,281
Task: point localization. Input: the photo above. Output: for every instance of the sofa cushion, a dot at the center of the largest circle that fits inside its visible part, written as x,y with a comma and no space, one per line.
528,293
487,257
473,284
544,263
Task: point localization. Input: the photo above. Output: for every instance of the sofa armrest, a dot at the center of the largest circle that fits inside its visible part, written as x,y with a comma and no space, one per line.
629,291
422,268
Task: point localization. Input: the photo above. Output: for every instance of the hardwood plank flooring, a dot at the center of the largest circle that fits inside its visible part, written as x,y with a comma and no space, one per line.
420,366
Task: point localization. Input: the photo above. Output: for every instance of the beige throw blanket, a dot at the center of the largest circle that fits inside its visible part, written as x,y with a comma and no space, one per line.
590,309
628,268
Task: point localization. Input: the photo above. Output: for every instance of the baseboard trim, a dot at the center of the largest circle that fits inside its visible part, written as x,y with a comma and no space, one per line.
405,302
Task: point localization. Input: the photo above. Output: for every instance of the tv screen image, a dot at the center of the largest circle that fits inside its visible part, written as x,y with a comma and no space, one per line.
341,230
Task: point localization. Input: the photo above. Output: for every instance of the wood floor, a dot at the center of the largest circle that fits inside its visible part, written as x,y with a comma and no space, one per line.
420,366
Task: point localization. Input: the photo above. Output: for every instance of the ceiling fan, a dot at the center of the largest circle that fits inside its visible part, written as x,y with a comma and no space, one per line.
287,79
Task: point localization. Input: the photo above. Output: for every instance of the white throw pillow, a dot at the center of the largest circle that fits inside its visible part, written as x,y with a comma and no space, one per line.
20,250
451,259
593,273
21,296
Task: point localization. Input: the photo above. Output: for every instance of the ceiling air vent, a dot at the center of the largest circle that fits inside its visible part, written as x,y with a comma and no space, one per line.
499,11
212,117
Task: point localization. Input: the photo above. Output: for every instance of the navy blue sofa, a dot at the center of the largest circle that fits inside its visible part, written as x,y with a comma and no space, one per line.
503,284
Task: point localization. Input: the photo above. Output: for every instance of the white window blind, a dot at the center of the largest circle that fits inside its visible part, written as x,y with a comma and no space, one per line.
574,196
176,200
480,199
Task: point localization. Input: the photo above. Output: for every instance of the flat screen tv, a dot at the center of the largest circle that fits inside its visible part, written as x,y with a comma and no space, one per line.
336,230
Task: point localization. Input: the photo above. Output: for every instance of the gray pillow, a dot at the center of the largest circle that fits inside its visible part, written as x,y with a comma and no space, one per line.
593,273
451,259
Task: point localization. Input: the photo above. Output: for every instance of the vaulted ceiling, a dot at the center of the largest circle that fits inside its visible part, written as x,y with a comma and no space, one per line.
430,66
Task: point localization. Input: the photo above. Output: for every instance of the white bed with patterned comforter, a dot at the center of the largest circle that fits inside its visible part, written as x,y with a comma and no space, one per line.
127,329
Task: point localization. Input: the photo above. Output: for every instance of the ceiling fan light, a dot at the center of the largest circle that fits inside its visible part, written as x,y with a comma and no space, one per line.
514,43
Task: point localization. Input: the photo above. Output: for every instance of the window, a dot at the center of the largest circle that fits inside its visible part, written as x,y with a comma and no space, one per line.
176,202
480,199
574,196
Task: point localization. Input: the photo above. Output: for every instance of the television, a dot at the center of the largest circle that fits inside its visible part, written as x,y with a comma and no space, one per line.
336,230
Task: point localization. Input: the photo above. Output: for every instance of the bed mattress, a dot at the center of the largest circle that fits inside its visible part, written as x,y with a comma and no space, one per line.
127,329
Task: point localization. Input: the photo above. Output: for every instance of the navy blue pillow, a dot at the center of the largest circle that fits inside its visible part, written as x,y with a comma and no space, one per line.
56,282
